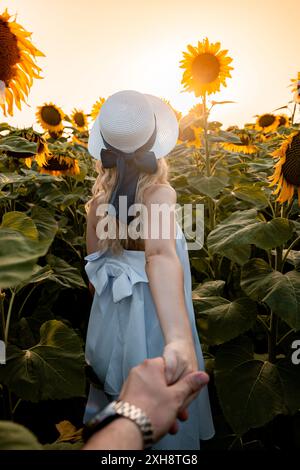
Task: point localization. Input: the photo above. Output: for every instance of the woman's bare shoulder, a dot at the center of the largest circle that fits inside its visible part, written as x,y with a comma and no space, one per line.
160,193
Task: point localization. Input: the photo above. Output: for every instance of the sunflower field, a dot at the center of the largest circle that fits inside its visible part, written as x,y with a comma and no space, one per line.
246,277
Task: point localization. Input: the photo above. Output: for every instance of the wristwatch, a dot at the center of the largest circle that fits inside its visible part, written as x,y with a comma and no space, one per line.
118,409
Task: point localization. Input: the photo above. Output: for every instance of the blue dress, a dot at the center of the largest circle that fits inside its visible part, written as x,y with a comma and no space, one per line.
124,330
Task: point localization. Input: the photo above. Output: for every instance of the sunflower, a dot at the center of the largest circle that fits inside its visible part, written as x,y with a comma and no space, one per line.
295,83
60,165
197,111
246,146
96,108
17,63
50,117
267,123
42,148
190,136
79,120
296,97
39,152
54,135
206,68
78,141
284,120
287,169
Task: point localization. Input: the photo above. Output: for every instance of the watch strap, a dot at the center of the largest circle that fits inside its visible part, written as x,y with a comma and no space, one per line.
132,412
118,409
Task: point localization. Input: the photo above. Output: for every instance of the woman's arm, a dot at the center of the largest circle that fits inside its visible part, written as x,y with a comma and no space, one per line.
165,274
91,236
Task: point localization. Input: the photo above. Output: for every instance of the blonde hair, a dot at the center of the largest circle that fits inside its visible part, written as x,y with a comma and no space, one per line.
101,192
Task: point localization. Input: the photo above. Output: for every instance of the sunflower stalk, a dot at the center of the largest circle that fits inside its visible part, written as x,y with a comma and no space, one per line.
2,297
293,115
206,143
272,337
6,394
9,313
211,215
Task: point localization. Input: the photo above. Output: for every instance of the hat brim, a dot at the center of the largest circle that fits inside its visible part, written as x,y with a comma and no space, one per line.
167,130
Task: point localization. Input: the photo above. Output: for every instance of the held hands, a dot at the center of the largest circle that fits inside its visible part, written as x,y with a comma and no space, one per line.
180,359
146,388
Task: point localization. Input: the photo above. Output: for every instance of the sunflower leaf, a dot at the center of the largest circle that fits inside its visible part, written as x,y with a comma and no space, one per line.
45,223
63,273
18,256
15,145
249,382
209,185
243,229
252,194
225,321
224,136
209,288
51,370
281,292
14,436
20,222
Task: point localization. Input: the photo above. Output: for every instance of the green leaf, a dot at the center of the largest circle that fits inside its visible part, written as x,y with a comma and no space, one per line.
45,223
15,144
11,178
209,185
4,127
210,288
226,321
20,222
223,238
290,379
63,273
250,391
252,194
18,256
51,370
242,229
281,292
271,234
39,274
224,136
13,436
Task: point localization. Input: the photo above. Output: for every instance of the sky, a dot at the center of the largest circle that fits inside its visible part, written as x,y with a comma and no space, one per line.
97,47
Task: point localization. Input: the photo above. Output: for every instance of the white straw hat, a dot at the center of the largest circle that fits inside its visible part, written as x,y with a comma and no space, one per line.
127,121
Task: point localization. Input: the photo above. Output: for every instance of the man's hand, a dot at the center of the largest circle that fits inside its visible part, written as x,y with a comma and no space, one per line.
146,388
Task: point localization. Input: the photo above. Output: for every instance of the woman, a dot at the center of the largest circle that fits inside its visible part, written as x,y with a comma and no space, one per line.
142,306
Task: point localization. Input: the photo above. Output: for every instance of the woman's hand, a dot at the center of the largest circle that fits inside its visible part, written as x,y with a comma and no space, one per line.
180,359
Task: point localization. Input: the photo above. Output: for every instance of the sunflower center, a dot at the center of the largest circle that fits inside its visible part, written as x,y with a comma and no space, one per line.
244,140
206,68
9,53
56,164
266,120
79,119
50,115
291,166
282,121
186,134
